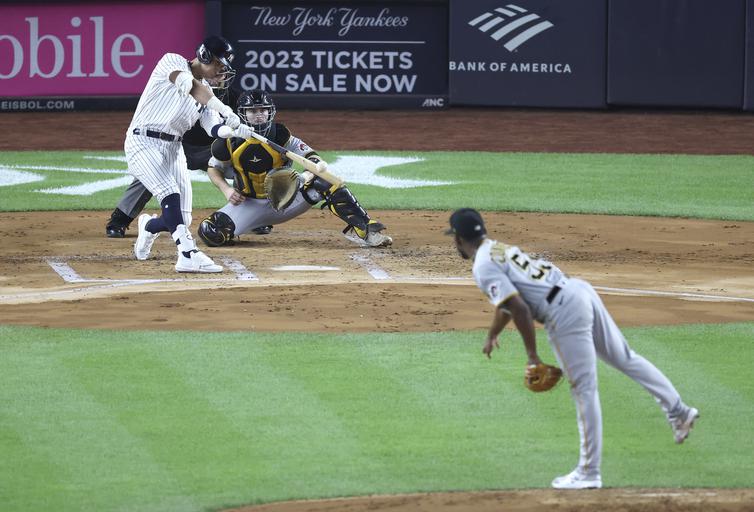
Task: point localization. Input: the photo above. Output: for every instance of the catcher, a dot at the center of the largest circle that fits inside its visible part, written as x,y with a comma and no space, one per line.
579,329
266,190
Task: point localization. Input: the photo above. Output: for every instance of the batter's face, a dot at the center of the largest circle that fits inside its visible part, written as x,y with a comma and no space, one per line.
214,72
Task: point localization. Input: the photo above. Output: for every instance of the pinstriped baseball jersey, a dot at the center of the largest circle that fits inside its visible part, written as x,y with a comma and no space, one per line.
158,164
163,108
502,271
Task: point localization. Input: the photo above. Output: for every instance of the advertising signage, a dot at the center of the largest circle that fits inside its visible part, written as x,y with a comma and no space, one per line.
529,53
85,49
342,54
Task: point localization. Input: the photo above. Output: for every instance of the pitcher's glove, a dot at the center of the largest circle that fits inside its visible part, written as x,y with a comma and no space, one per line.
542,377
281,187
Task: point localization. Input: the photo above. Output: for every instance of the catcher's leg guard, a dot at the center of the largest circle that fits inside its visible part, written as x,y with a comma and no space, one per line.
315,189
217,229
341,202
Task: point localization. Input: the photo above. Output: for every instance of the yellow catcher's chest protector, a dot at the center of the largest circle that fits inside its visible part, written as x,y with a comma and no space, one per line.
252,160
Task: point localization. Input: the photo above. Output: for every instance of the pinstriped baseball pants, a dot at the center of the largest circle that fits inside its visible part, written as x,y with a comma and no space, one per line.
161,166
580,329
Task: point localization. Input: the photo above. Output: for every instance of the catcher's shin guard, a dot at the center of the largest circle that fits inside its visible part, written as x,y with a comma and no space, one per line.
217,229
341,202
343,205
316,189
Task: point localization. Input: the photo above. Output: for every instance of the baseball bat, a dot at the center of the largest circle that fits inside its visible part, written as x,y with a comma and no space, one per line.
319,168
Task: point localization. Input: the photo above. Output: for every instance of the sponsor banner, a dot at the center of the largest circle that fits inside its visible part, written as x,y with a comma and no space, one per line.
106,48
533,53
341,53
749,55
676,54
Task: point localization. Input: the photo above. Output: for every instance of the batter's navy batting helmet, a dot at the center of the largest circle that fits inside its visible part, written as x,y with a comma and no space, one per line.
215,47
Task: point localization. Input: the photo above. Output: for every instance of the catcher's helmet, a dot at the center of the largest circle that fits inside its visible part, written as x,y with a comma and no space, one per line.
215,47
257,99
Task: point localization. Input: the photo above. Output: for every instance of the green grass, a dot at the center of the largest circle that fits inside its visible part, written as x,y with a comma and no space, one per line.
104,420
715,187
101,420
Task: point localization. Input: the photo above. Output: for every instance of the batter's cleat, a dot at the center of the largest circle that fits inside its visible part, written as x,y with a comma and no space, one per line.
144,239
372,237
683,423
577,480
115,231
262,230
198,262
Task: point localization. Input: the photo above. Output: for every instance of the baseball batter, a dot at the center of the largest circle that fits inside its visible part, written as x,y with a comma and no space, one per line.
579,329
248,161
197,148
176,96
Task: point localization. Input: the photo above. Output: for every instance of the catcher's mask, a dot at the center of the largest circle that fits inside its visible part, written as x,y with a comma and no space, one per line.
256,109
219,48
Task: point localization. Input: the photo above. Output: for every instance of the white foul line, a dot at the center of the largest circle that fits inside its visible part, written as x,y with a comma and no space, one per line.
304,268
374,270
242,273
673,294
69,275
65,271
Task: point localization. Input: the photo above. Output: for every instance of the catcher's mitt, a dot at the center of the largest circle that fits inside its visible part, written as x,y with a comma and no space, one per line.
281,186
542,377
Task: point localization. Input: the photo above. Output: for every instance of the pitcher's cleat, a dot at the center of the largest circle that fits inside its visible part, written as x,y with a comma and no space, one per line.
683,424
576,480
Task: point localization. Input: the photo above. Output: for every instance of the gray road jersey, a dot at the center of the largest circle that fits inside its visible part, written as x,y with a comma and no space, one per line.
502,271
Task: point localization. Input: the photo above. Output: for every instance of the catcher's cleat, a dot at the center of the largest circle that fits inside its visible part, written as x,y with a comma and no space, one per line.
115,231
683,423
262,230
198,262
577,480
145,239
371,237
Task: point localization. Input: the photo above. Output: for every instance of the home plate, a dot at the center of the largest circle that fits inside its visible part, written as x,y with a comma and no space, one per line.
304,268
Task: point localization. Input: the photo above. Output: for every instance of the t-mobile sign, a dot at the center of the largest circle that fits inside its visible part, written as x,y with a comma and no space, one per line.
91,49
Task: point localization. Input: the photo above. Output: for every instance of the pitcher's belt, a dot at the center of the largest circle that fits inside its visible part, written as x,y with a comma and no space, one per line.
554,291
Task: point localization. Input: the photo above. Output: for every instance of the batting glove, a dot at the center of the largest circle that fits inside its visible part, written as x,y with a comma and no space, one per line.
232,120
243,131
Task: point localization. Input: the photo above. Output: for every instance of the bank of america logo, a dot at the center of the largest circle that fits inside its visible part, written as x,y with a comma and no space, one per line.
513,24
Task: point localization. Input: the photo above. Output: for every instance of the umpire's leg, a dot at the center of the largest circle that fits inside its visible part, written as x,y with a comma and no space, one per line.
133,201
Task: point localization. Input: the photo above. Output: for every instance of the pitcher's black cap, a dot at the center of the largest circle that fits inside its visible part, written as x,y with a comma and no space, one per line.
467,224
